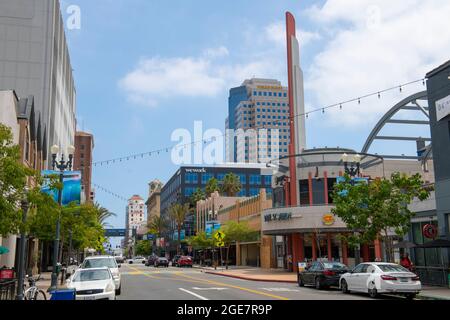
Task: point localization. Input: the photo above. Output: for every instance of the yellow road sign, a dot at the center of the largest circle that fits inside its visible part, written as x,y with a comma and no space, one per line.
220,244
219,236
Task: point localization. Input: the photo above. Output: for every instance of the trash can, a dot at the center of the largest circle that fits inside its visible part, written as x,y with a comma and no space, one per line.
63,295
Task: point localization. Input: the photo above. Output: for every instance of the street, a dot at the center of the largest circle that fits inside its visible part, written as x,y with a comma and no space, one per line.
148,283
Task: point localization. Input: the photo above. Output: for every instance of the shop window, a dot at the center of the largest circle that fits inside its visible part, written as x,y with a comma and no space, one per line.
304,193
318,191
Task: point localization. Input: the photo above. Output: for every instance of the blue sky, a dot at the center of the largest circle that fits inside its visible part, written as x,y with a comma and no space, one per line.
145,68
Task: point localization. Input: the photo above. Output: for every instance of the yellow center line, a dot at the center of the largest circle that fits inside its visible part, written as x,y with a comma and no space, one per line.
235,287
138,272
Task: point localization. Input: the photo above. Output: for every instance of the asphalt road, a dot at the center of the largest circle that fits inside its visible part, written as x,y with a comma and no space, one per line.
149,283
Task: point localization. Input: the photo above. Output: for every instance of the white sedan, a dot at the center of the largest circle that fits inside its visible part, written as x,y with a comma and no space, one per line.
381,277
93,284
137,260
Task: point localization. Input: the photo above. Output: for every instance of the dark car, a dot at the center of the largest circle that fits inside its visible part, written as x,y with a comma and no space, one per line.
151,260
185,261
175,260
161,262
322,274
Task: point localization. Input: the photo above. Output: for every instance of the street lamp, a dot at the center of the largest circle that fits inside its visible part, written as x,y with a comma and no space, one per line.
21,263
352,164
61,165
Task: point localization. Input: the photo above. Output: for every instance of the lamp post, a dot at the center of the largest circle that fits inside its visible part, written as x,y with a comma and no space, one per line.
61,165
352,166
21,264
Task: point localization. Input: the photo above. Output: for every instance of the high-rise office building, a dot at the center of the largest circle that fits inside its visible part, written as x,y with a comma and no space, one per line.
84,145
34,60
135,216
258,116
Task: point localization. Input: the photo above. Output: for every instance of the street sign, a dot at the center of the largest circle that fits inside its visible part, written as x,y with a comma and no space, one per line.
111,233
219,236
220,244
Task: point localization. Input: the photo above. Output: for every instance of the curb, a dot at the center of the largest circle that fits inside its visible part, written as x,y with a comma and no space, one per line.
420,297
250,279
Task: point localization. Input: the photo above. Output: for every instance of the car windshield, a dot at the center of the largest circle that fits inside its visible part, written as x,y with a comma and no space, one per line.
335,266
100,263
91,275
392,268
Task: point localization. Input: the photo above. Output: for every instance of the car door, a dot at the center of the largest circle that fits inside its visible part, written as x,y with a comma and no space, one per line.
352,278
363,276
310,274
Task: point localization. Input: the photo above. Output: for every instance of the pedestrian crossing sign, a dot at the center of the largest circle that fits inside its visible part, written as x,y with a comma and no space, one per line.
219,236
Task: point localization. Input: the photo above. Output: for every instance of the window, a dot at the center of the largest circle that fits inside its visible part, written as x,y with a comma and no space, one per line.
253,192
191,178
268,180
318,190
206,177
304,192
361,268
331,182
242,178
255,179
221,176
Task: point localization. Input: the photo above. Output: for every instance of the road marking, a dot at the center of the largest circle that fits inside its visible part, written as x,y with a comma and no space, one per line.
236,287
205,289
280,289
194,294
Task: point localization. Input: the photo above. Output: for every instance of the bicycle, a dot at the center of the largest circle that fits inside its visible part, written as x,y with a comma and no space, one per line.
33,292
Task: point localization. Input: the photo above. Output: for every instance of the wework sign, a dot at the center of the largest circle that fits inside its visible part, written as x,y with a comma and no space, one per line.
278,217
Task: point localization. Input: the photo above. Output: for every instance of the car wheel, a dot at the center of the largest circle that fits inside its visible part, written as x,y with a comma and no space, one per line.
344,287
318,284
373,292
119,291
300,281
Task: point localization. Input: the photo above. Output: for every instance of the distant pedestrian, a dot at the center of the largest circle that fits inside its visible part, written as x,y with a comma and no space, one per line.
406,262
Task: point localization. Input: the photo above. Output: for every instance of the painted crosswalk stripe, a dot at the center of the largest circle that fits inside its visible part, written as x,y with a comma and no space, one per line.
194,294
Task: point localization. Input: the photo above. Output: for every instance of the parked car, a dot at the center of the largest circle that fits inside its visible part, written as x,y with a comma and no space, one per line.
151,260
161,262
377,278
108,262
185,261
93,284
137,260
119,259
175,260
322,274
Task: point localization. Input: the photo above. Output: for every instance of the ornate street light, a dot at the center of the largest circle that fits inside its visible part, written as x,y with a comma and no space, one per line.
352,164
61,165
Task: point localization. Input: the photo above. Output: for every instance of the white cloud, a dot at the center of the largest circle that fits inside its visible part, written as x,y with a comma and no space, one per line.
155,79
376,47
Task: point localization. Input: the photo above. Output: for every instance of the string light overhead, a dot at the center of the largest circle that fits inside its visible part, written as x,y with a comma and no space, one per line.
274,123
104,190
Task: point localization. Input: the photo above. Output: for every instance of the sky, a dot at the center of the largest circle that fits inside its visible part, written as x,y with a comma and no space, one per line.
144,68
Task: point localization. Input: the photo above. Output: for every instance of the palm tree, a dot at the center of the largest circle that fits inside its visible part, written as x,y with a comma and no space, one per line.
178,214
157,225
231,185
103,214
212,186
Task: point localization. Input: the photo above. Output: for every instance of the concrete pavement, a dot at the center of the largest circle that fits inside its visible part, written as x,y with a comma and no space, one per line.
148,283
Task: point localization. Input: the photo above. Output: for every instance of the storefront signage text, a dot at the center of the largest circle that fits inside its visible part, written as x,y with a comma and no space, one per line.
278,217
442,108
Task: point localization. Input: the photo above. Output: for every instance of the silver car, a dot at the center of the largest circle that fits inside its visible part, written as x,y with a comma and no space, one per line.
108,262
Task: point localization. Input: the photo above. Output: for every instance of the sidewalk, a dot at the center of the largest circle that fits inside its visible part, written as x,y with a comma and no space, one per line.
434,293
45,282
252,274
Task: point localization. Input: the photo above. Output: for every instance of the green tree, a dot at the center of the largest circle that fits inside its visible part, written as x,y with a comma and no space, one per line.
103,215
157,226
178,214
372,210
196,197
212,186
13,180
231,185
237,232
144,248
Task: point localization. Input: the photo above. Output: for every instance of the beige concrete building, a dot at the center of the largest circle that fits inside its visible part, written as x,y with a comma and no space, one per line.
153,202
258,253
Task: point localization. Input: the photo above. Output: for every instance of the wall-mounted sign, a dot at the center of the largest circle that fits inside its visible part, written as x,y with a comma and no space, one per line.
430,231
270,87
328,220
442,108
284,216
200,170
